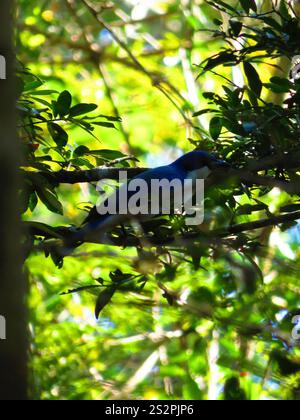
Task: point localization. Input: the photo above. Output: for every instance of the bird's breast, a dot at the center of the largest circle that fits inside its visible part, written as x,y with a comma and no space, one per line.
202,173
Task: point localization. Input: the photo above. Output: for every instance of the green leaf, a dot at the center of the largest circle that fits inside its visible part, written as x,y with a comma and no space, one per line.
224,57
33,201
109,118
191,390
50,200
58,134
43,102
215,127
233,126
253,78
279,85
223,4
82,109
81,151
203,111
233,390
248,5
106,154
271,22
235,27
104,124
79,161
80,289
44,92
103,300
118,276
284,11
33,85
63,104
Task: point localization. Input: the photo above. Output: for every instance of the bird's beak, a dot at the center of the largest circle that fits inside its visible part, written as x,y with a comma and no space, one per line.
219,164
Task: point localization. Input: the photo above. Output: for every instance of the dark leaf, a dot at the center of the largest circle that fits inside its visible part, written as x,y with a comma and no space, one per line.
286,366
215,127
253,78
233,390
33,201
63,104
222,58
45,92
248,5
118,276
104,299
235,27
203,111
223,4
59,135
109,118
106,154
104,124
81,151
50,200
80,289
82,109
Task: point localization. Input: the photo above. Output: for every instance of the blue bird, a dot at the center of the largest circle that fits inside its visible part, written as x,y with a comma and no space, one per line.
194,165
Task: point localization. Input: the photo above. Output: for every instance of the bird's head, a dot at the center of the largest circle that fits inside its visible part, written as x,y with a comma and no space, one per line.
199,159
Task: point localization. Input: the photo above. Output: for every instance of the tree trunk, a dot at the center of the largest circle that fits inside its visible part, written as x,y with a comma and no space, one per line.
13,349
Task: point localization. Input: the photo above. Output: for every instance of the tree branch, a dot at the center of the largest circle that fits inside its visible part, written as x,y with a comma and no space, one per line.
280,160
98,174
259,224
55,235
87,176
191,239
251,179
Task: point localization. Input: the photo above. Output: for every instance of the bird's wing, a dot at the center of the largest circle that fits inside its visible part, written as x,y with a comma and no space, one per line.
103,222
127,191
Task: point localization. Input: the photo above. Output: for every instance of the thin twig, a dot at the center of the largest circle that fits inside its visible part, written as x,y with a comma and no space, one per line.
109,92
156,79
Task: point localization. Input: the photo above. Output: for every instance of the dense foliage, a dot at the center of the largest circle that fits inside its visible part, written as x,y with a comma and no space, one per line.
192,313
